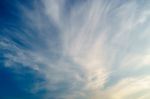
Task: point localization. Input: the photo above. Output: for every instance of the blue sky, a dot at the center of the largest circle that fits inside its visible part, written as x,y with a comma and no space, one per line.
74,49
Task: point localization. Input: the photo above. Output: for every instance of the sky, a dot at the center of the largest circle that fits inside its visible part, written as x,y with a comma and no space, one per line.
75,49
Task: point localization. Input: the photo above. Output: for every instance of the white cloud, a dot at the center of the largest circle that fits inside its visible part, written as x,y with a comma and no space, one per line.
78,51
130,86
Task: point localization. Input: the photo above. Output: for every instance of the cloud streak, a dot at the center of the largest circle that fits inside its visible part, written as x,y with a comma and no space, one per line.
83,49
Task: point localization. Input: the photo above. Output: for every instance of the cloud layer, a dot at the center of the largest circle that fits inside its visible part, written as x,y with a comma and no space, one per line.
81,49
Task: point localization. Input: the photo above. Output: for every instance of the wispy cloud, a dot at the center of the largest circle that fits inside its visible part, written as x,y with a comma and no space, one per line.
84,49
